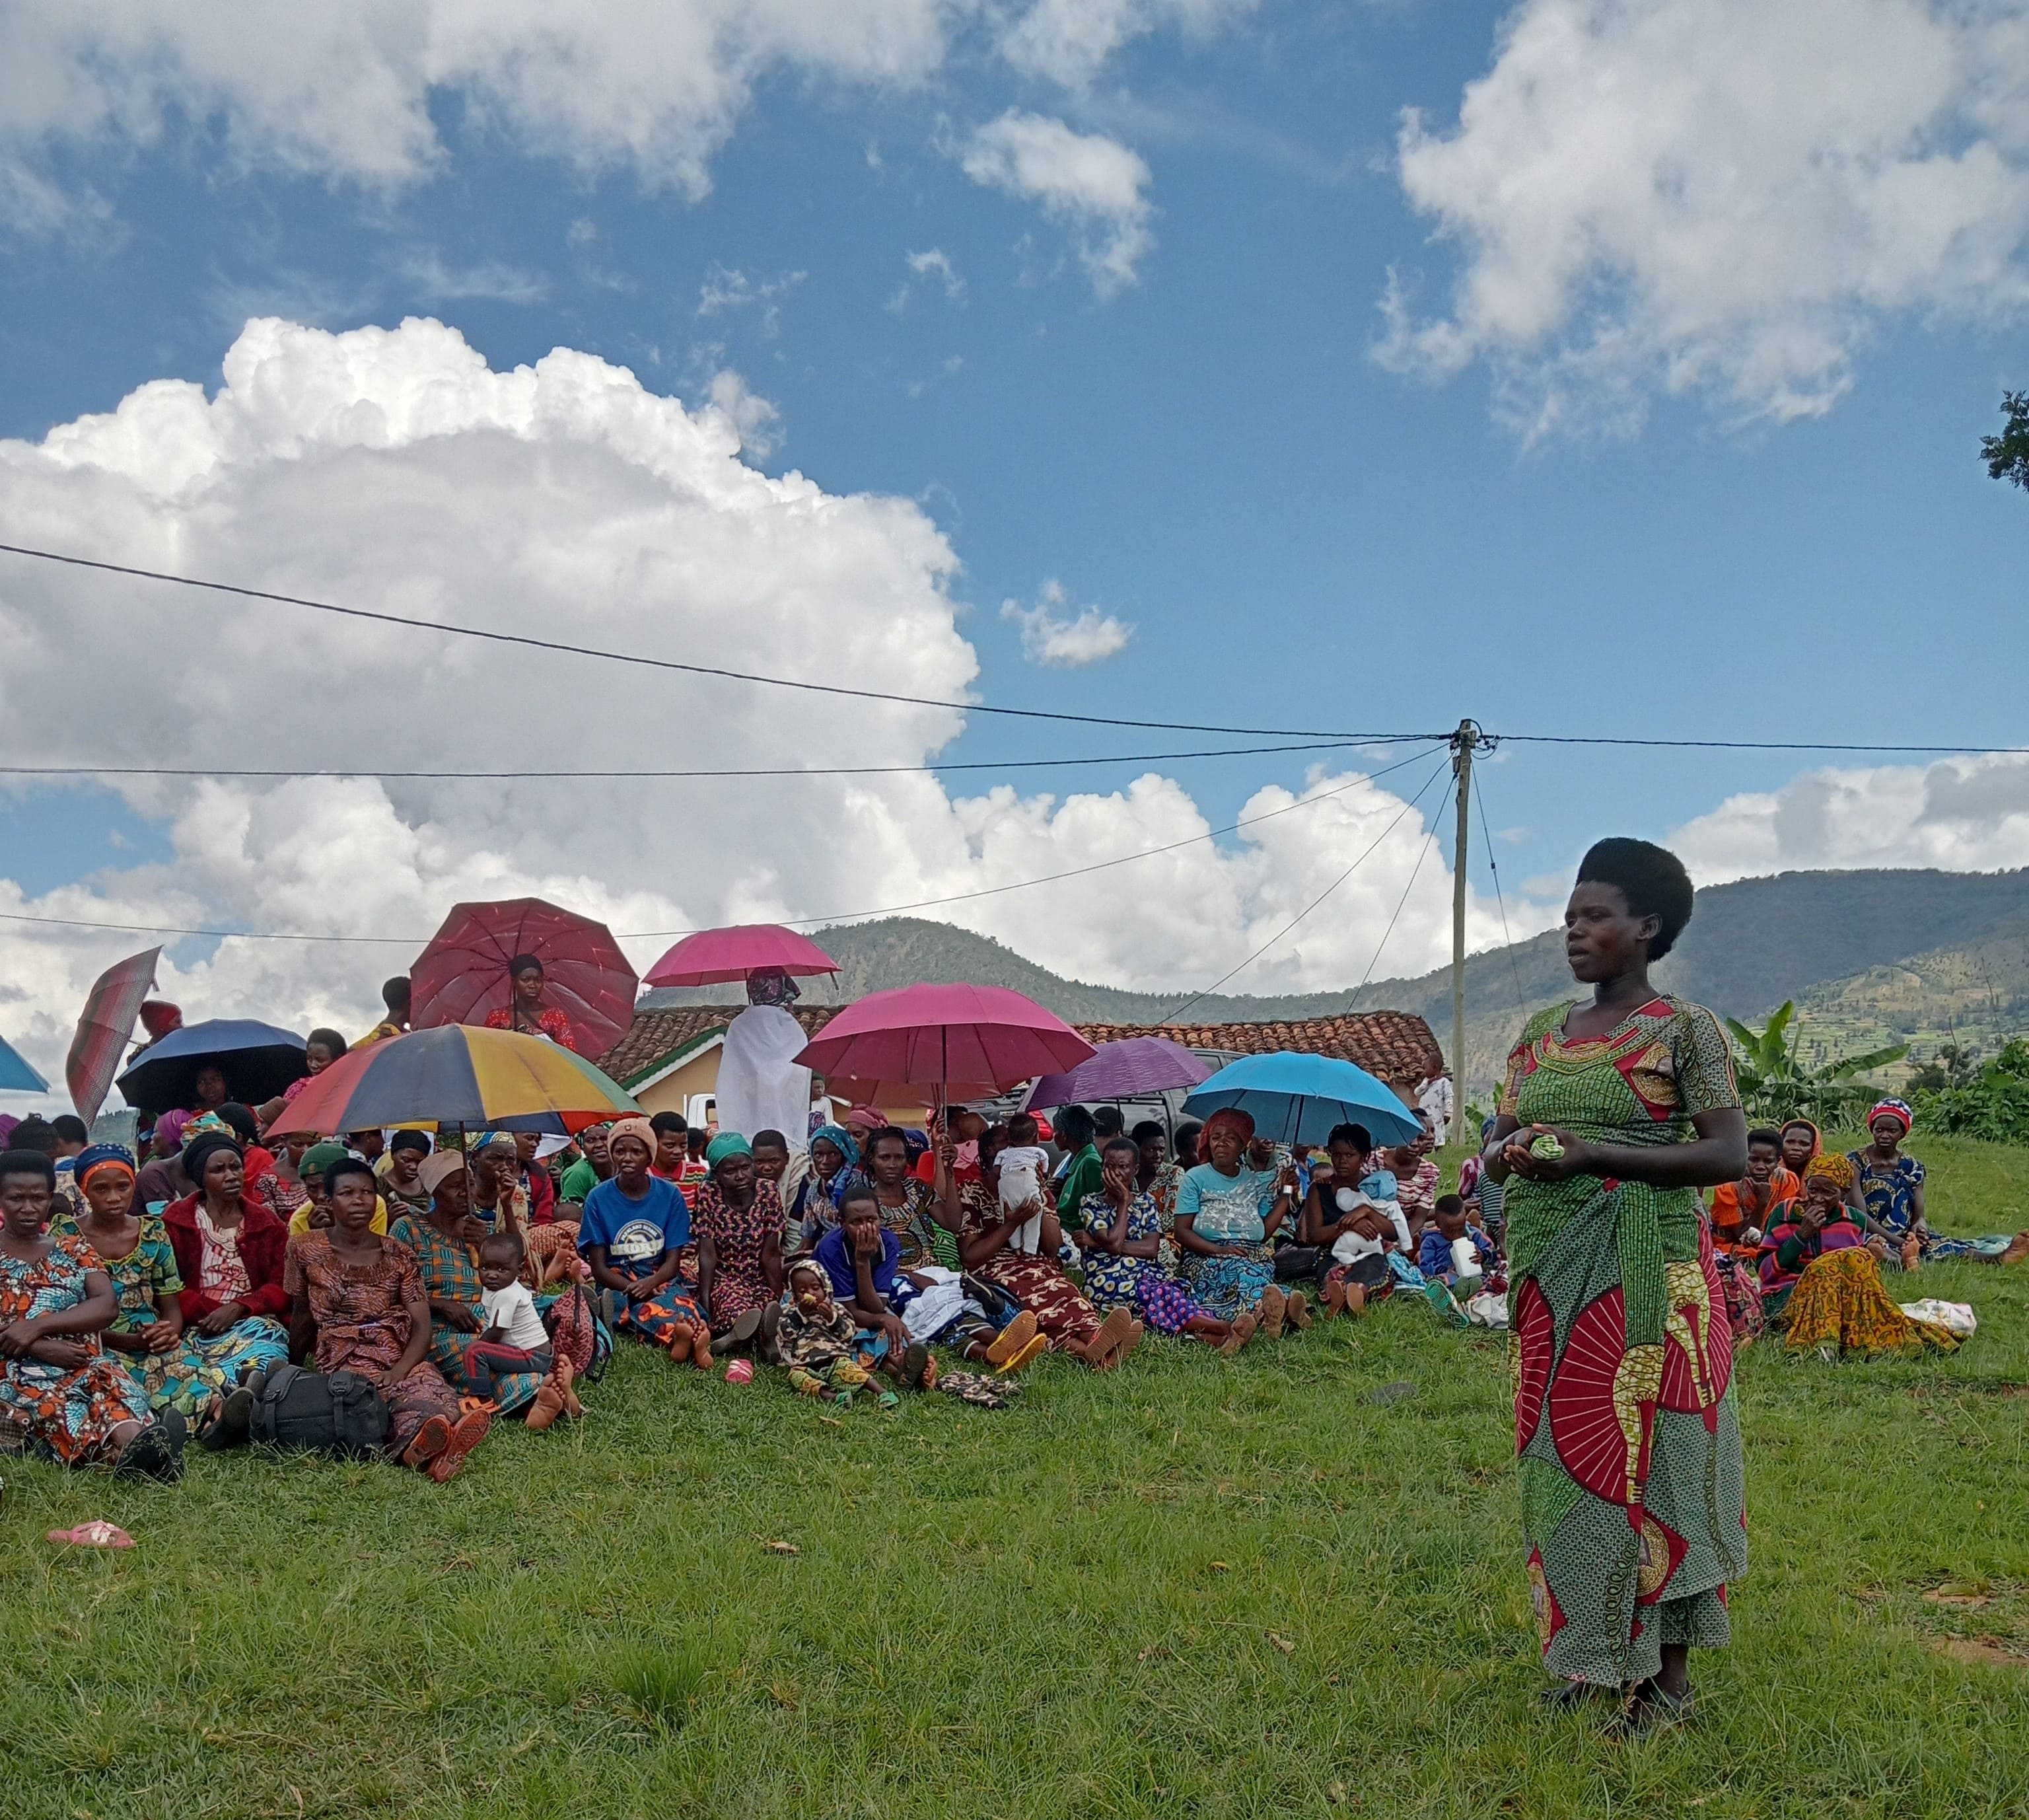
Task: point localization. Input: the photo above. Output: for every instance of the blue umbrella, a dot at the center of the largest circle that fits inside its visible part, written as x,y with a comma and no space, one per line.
1296,1099
258,1061
16,1076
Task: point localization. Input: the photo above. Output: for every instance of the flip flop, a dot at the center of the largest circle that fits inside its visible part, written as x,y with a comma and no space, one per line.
1241,1331
98,1533
915,1362
431,1440
1039,1344
1275,1307
232,1426
1013,1338
1297,1310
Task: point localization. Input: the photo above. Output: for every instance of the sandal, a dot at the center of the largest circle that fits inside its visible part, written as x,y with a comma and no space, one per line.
156,1452
471,1430
232,1423
1297,1310
1012,1339
1652,1709
1274,1309
1238,1335
1112,1335
431,1440
1039,1344
915,1362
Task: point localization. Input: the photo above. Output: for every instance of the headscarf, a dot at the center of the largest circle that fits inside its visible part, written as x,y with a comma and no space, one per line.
159,1017
1817,1137
199,1150
169,1130
1227,1118
486,1140
93,1158
209,1125
439,1167
726,1144
1893,1108
637,1128
841,1140
1833,1168
771,986
318,1158
867,1119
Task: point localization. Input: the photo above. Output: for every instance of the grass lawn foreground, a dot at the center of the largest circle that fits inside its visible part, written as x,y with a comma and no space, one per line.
1189,1587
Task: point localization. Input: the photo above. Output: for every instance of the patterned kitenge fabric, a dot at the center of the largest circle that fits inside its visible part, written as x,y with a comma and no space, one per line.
1889,1189
199,1366
1633,1500
549,1022
450,1273
69,1412
739,1235
924,1239
1140,1285
362,1325
1839,1302
1037,1283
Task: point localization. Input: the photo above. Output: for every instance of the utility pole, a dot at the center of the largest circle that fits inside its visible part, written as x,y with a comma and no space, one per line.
1462,742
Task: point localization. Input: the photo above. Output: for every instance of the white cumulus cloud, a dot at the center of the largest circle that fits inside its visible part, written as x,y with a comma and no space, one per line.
1069,40
1719,196
1096,186
1961,815
1065,641
392,469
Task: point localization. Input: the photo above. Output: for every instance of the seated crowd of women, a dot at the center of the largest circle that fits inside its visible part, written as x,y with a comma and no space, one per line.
142,1307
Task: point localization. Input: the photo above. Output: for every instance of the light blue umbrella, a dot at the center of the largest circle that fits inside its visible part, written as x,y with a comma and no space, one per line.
1296,1099
16,1076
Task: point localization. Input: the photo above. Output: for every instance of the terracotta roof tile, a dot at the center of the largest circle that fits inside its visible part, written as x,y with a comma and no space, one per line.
1397,1045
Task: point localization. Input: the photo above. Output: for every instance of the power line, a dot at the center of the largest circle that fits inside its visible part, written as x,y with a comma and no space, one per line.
1762,745
651,775
793,922
1171,1016
557,647
1423,854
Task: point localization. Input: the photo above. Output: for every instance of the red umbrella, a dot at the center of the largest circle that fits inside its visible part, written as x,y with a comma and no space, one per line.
104,1027
462,974
711,956
961,1038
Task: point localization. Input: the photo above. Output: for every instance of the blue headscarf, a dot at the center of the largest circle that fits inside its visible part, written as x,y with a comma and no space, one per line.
92,1155
841,1139
849,1177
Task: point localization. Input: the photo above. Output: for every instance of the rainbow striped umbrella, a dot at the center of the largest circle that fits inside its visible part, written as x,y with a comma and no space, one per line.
457,1075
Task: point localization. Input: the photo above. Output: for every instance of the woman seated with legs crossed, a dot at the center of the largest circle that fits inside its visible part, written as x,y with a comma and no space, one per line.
1226,1214
635,1228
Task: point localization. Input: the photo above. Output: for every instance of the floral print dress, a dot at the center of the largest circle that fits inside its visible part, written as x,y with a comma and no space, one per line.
738,1235
1141,1285
68,1411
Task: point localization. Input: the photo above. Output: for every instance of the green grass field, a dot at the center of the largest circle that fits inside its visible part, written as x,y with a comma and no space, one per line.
1189,1587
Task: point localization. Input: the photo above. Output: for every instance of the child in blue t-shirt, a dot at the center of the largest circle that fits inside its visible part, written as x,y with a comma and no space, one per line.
1436,1258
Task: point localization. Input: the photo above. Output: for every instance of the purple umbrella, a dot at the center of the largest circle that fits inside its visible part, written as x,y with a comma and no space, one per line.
1125,1070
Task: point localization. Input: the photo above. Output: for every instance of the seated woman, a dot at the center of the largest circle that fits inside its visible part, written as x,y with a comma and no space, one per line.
228,1250
1123,1243
1416,1181
1226,1216
1338,1217
499,1202
635,1228
814,1202
1838,1302
402,1179
1741,1211
59,1393
738,1223
445,1247
1800,1143
1170,1176
280,1189
1889,1185
358,1305
189,1372
990,1245
918,1215
1818,1222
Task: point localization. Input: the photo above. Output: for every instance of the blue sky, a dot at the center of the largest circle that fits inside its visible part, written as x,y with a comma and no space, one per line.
1302,527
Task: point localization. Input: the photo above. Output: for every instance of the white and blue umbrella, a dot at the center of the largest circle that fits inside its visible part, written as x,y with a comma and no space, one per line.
1296,1099
16,1076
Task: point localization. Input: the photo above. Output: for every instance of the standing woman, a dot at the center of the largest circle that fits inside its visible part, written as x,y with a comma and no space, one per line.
1615,1112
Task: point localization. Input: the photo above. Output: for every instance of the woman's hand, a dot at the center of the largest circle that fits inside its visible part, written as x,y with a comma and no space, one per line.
393,1376
222,1319
466,1318
16,1341
56,1350
1520,1160
158,1336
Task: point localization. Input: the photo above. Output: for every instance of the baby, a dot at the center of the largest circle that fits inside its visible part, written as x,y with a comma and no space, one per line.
1022,1164
1455,1252
1378,1189
514,1339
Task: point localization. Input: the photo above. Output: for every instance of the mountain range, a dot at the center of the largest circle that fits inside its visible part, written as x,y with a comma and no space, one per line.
1871,957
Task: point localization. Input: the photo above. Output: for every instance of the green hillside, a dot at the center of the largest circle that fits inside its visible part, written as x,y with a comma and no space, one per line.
1872,956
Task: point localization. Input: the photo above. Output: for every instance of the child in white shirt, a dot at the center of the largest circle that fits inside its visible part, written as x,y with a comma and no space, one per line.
514,1339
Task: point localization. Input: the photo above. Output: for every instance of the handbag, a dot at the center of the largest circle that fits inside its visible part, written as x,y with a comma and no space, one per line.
344,1415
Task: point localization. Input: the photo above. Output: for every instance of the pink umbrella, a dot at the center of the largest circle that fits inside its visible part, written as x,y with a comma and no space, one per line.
462,975
104,1028
711,956
956,1037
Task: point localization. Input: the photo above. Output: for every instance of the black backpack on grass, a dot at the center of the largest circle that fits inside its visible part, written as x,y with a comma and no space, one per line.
342,1415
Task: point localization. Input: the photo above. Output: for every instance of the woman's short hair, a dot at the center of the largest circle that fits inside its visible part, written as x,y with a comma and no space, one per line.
1652,878
1120,1141
334,1044
768,1138
21,1162
1144,1131
859,1191
1073,1127
335,1173
1358,1136
523,964
1188,1132
663,1123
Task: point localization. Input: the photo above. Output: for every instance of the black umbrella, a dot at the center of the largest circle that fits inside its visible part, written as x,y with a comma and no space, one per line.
257,1059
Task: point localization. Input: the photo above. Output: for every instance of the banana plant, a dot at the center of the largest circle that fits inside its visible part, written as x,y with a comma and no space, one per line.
1776,1083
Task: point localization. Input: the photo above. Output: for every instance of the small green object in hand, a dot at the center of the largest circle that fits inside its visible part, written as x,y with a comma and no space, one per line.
1546,1147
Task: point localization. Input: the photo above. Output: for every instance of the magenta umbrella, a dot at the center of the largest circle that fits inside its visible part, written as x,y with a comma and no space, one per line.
1122,1071
958,1038
462,976
711,956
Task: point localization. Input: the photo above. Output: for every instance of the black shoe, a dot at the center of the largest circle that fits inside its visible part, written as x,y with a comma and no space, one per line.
1570,1696
156,1453
1651,1709
915,1362
233,1425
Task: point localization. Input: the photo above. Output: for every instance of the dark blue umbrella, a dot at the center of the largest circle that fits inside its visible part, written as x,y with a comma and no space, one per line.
257,1059
16,1076
1296,1099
